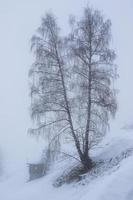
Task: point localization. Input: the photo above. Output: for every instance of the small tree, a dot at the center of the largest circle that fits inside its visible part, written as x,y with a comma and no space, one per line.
81,111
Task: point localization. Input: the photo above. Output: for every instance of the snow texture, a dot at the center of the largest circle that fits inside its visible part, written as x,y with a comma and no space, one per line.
115,184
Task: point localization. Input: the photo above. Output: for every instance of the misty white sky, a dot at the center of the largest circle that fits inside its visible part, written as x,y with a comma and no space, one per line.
18,21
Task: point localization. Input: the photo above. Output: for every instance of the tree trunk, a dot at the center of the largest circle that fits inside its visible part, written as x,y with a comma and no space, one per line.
77,144
86,162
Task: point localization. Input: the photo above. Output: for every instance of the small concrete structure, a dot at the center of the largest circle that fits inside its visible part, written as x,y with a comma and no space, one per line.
36,170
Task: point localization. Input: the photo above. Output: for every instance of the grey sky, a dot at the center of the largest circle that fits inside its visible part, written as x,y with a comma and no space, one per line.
18,21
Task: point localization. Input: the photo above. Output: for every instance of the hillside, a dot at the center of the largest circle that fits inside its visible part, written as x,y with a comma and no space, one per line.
112,180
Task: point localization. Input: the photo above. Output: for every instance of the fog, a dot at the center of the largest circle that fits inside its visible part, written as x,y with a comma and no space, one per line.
18,22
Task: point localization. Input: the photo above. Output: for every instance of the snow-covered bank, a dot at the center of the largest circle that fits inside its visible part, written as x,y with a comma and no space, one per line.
113,185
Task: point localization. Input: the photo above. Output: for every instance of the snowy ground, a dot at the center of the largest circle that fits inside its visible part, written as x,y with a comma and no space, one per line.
113,185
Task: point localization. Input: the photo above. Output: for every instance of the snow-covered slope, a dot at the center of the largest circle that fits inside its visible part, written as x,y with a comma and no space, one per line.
115,184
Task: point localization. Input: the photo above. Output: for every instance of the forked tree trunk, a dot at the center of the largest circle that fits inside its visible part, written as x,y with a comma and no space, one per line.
84,157
77,143
86,162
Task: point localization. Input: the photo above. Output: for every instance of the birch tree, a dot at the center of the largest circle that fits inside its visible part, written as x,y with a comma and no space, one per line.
72,91
93,65
51,104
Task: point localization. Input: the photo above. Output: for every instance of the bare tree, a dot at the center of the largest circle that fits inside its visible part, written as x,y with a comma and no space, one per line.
49,89
81,111
93,66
